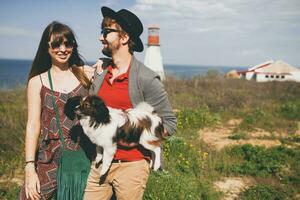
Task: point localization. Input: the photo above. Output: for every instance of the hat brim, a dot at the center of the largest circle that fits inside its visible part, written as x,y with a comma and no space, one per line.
107,12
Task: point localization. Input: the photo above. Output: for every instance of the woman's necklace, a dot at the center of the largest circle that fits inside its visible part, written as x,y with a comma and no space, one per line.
64,87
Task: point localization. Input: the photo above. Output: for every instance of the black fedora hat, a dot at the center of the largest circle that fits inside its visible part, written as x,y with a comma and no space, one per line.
129,22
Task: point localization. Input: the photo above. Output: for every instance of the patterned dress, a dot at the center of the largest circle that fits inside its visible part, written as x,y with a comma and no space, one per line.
49,150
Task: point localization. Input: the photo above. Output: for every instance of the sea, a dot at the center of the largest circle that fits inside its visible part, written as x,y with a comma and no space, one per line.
13,73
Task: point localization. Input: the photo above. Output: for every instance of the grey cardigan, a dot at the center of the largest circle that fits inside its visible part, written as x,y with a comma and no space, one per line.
144,85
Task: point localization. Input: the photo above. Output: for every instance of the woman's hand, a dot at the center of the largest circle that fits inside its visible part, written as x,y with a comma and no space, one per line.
32,183
89,71
98,66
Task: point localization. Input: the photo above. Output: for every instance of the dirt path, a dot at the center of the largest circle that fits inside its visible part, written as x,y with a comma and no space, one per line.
232,187
219,137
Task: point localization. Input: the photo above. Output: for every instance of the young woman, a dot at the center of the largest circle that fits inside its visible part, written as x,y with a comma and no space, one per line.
57,53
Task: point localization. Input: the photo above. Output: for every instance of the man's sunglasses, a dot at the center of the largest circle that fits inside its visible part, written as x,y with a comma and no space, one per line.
106,31
55,45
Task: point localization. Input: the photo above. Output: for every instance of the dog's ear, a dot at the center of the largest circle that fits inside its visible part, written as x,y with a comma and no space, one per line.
70,106
101,111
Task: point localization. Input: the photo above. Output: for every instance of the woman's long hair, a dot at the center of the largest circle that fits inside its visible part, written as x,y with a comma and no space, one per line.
42,60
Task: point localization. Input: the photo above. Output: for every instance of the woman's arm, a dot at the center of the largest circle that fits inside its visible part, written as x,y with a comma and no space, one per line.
32,184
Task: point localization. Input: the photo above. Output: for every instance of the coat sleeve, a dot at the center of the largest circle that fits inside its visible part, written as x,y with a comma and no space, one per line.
155,94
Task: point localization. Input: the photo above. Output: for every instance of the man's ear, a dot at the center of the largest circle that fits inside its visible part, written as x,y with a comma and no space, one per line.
125,39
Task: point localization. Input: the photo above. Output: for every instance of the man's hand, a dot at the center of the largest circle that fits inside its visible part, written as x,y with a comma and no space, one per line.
165,134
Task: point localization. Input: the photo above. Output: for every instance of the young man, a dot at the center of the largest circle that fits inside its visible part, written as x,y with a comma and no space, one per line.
122,84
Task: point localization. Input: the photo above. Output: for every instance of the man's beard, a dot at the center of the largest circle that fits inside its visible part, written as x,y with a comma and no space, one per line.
108,51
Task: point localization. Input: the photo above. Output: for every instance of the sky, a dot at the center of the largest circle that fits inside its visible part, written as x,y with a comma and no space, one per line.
192,32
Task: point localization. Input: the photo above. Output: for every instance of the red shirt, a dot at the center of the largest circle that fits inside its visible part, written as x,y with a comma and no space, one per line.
116,95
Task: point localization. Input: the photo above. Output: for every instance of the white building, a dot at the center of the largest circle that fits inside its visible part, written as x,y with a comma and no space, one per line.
153,58
272,71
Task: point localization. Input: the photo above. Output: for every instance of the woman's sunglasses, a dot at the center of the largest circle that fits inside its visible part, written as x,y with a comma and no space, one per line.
55,45
106,31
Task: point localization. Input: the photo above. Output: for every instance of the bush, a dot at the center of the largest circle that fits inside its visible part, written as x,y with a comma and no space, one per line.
263,192
9,191
238,136
254,118
291,110
196,119
259,161
181,178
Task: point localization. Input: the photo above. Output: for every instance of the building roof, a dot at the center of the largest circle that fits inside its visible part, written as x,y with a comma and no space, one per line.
278,67
271,67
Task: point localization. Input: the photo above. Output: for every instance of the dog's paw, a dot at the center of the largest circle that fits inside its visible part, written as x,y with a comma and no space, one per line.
102,179
102,172
98,158
156,166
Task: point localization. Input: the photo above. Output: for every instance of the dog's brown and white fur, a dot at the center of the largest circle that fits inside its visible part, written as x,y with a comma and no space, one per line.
106,126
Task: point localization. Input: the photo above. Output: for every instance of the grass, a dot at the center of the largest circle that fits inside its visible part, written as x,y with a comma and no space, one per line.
260,161
12,126
182,177
8,191
13,113
191,166
263,192
238,136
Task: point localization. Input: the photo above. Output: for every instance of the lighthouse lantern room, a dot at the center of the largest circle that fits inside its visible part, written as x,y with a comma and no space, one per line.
153,58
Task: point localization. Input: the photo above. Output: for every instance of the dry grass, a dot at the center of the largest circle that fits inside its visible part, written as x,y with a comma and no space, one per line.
229,94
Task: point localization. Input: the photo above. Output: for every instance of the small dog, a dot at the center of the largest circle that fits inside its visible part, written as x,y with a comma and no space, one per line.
106,126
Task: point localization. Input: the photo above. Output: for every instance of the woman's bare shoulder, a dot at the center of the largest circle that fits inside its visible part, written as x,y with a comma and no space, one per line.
35,84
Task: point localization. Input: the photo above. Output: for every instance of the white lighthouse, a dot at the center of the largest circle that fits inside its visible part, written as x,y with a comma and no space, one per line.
153,58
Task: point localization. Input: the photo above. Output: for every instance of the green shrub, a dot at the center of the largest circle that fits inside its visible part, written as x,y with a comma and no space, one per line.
238,136
291,110
168,185
196,119
181,178
9,191
181,156
212,74
263,192
254,118
260,161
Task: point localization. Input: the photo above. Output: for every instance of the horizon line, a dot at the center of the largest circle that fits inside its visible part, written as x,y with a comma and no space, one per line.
174,64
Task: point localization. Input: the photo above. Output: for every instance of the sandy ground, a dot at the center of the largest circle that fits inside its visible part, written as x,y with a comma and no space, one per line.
217,138
233,186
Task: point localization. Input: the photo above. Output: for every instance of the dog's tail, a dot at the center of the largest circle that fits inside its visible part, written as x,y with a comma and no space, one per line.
71,105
